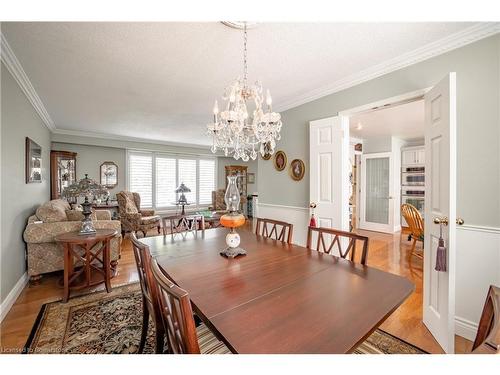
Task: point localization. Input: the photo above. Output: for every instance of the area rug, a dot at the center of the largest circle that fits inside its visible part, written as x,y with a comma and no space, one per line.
110,323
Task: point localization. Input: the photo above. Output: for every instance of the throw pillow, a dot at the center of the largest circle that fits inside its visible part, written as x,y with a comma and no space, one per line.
52,212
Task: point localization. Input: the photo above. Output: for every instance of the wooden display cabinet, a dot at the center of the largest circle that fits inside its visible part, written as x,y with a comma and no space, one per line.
62,172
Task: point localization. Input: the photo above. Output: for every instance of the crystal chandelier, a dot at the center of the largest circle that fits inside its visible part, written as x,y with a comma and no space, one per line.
237,133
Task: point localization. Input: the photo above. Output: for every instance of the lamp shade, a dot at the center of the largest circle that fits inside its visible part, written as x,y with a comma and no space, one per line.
86,186
182,189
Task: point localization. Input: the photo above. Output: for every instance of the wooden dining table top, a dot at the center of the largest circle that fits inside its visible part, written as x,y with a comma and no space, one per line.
279,298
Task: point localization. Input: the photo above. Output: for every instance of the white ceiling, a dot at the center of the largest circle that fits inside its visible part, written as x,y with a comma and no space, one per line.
405,121
158,81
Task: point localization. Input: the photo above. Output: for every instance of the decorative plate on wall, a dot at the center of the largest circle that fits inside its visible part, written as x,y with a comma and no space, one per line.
297,169
280,160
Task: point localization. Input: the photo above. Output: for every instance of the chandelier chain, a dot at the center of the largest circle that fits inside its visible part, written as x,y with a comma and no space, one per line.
245,64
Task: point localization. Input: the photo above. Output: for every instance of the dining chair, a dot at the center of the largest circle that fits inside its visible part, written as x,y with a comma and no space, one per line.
275,229
488,334
416,225
178,322
150,305
339,238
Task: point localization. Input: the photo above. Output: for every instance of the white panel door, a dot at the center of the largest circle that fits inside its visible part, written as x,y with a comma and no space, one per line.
329,174
377,195
440,202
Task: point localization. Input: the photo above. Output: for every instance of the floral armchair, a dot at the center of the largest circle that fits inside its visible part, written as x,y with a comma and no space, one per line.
218,203
134,219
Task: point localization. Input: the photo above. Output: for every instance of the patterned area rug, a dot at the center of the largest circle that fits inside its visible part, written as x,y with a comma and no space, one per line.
110,323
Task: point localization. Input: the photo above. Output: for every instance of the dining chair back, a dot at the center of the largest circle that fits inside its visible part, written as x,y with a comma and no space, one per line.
275,229
177,314
488,334
416,225
150,305
345,243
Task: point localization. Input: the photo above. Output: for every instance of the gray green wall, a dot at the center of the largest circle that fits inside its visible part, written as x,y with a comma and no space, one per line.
478,116
19,200
89,159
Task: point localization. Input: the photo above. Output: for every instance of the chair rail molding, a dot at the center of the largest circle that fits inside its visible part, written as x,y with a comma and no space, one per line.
298,216
462,38
11,298
15,68
478,267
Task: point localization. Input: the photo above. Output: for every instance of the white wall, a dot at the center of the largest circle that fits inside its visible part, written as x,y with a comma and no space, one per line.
478,266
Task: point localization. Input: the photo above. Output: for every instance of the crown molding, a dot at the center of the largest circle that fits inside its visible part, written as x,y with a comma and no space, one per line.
123,138
451,42
15,68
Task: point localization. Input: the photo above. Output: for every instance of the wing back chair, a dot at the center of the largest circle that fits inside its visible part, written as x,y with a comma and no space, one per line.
134,219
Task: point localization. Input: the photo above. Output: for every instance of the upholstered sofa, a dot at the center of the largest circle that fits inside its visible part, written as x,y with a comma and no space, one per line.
53,218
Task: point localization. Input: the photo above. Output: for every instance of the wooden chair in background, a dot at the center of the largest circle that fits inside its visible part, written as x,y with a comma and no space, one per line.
488,334
149,298
416,225
178,322
336,237
275,229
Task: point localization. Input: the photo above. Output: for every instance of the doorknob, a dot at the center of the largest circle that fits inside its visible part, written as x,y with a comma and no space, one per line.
444,220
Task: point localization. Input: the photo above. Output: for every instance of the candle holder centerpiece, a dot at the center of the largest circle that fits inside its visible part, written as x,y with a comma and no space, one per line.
232,220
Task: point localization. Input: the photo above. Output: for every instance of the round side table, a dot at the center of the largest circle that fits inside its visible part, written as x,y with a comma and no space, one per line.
86,249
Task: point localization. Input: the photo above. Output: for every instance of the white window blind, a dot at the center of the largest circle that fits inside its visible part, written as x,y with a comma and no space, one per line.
155,176
140,168
166,181
206,181
187,174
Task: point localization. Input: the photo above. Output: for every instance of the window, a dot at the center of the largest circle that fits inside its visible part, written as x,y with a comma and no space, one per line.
166,181
187,174
141,177
155,176
207,182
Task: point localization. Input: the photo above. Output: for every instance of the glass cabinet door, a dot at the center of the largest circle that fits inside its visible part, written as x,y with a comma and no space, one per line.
62,171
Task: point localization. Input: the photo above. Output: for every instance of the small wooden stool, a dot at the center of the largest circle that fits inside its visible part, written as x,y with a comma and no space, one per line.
86,249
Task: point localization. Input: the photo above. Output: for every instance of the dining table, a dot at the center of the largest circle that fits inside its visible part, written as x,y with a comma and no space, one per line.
279,297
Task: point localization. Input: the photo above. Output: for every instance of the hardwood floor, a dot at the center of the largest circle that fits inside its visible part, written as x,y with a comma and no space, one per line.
386,252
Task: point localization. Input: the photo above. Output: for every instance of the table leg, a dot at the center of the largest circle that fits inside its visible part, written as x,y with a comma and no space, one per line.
67,261
107,264
88,258
163,225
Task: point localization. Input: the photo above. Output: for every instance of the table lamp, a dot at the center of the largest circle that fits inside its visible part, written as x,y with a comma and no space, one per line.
182,201
232,220
84,188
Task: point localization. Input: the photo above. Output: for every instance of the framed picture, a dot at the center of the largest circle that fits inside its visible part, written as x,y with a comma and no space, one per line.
267,154
251,178
297,169
109,174
280,160
33,161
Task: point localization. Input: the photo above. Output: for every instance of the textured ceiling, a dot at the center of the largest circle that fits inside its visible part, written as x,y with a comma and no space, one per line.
158,81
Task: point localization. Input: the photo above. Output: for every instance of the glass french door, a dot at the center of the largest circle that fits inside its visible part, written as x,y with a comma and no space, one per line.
376,192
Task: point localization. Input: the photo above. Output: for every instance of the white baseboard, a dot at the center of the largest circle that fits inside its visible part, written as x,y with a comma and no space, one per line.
11,298
465,328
